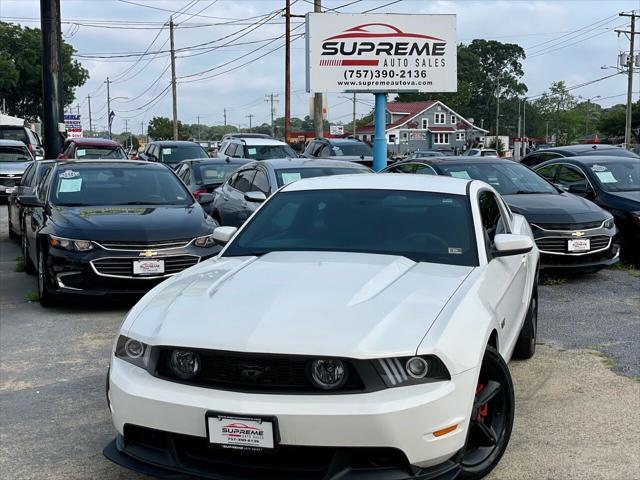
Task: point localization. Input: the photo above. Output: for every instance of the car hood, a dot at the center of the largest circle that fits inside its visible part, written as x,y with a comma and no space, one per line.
13,168
313,303
632,199
131,223
555,208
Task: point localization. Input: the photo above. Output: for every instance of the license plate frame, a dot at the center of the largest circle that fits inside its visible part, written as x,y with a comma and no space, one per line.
578,245
148,268
269,424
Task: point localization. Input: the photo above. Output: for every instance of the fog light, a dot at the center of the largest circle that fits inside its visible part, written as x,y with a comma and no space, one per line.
417,367
134,348
328,374
185,364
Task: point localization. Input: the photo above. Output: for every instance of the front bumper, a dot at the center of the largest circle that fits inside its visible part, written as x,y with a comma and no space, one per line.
101,272
400,420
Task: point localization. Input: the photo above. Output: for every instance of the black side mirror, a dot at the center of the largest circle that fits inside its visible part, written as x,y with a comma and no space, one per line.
205,198
579,189
30,201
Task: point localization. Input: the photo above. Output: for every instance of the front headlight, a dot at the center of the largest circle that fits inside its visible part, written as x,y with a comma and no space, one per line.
609,223
636,217
205,241
133,351
404,371
70,244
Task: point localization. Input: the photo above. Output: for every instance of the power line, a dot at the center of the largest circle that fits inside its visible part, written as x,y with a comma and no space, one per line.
606,20
555,48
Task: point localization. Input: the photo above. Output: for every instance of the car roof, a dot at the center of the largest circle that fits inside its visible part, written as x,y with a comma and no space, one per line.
98,142
592,159
215,161
12,143
384,181
577,149
259,141
338,141
175,143
454,160
111,162
279,163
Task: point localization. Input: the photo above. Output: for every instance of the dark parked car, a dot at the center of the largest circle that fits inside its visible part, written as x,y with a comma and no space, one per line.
14,159
204,176
571,232
171,152
98,227
346,149
24,135
247,188
539,156
612,183
92,149
430,153
27,186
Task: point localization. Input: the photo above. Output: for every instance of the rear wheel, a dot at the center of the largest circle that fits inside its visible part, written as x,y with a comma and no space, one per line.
491,418
526,345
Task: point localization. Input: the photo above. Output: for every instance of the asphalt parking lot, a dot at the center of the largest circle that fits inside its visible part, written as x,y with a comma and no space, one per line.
578,399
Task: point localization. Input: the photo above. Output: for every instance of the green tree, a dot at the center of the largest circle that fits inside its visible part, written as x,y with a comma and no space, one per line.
613,121
560,109
161,128
21,71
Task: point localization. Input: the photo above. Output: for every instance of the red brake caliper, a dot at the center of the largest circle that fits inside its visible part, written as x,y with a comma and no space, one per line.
483,410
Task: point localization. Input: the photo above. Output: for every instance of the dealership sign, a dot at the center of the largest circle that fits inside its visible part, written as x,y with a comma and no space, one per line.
73,125
381,53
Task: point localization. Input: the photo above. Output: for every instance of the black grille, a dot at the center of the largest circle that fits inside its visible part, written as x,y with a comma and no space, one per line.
124,266
10,181
145,245
256,373
569,226
560,244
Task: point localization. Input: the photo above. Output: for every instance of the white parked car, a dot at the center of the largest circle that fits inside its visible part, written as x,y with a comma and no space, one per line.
481,152
354,327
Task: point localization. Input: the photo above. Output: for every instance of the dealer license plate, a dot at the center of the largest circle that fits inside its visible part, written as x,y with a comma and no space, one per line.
148,267
241,433
9,190
579,245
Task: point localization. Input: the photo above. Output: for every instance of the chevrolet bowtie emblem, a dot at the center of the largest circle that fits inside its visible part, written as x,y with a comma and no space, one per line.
148,253
578,234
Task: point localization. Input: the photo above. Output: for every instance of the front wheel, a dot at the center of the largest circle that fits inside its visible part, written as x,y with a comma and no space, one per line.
46,297
491,418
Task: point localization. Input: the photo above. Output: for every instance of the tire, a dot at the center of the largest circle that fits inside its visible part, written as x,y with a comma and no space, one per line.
47,299
491,418
526,344
29,267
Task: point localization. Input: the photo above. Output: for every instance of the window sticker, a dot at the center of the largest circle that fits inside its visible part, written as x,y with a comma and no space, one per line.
81,152
70,185
211,174
287,178
606,177
252,151
166,151
599,168
460,174
69,174
455,251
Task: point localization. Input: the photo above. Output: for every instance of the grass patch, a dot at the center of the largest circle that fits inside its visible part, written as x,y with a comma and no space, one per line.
550,281
630,269
20,264
33,296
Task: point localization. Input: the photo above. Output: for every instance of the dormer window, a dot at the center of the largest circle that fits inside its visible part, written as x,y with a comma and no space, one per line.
439,118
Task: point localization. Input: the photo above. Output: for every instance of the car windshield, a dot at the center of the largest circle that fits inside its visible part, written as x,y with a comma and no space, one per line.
617,176
14,133
288,175
416,225
10,153
507,177
111,153
176,154
355,149
98,185
265,152
214,172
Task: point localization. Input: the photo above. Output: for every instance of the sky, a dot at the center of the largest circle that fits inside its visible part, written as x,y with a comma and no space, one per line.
564,40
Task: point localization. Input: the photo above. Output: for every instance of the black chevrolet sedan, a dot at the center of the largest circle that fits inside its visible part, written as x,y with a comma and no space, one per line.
99,227
571,232
612,183
542,155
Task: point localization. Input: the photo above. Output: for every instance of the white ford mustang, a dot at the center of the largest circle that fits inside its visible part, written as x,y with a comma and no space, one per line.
356,327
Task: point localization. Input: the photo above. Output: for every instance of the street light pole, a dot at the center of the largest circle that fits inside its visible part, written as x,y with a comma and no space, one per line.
318,121
173,81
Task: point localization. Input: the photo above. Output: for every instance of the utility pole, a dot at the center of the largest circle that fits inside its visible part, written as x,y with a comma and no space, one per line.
142,129
52,93
317,97
287,71
198,127
497,112
354,114
518,148
250,116
90,121
225,117
524,126
108,107
632,34
126,130
271,98
173,81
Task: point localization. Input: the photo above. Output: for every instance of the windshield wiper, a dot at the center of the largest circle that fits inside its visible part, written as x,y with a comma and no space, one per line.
527,192
137,202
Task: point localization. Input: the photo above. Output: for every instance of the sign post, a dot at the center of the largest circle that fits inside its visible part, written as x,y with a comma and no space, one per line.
381,54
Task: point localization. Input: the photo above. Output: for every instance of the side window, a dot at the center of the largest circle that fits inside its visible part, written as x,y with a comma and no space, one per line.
232,180
325,151
43,186
404,168
316,149
423,169
531,160
27,178
548,172
570,176
231,150
243,181
492,221
261,182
